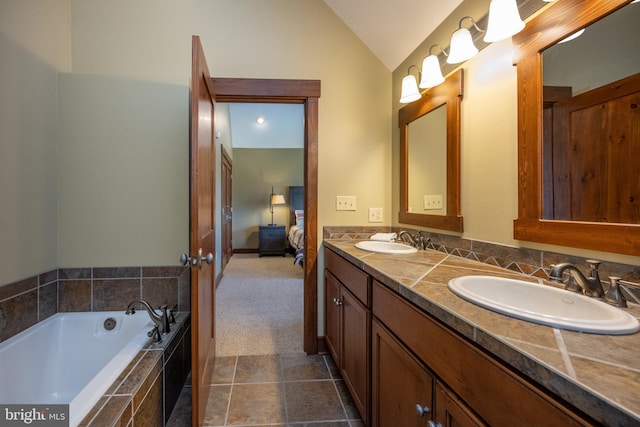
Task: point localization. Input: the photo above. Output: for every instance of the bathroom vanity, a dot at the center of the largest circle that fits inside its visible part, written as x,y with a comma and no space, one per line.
410,351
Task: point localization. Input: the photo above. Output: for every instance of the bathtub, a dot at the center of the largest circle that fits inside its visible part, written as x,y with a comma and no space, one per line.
70,358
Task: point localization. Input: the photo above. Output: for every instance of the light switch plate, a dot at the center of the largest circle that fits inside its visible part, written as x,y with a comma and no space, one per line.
432,202
375,214
345,203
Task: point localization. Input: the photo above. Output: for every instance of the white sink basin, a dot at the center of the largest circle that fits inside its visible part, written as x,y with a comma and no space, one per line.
385,247
545,305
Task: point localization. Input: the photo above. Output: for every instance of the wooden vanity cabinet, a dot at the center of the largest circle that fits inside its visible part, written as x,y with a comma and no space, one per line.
406,393
450,411
472,387
348,326
402,388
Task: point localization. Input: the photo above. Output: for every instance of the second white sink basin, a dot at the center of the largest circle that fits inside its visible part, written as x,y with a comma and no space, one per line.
385,247
545,305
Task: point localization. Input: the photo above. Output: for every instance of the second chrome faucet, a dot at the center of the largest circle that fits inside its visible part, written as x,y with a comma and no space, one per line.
590,286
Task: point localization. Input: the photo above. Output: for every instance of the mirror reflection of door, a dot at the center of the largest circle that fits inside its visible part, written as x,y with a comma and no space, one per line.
591,139
227,208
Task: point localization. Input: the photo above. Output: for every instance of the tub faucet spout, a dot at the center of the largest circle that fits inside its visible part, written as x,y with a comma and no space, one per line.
160,320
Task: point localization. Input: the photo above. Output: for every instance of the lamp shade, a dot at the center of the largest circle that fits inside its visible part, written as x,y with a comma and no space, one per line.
277,199
410,91
431,73
504,20
461,47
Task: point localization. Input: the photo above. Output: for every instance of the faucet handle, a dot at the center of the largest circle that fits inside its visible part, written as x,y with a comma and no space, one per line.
613,295
155,334
172,317
594,264
594,268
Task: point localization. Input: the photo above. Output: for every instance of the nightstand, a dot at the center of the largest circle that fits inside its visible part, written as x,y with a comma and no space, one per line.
272,240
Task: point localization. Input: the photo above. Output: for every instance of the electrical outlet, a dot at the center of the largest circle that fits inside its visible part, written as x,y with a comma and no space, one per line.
432,202
345,203
375,214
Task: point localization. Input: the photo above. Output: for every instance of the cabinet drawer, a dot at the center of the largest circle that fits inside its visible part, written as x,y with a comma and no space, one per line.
349,275
491,389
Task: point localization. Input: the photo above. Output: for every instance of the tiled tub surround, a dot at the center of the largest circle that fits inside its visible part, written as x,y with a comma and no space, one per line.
531,262
158,372
597,374
148,389
29,301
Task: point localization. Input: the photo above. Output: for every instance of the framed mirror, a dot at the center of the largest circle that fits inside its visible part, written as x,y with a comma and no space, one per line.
430,158
582,211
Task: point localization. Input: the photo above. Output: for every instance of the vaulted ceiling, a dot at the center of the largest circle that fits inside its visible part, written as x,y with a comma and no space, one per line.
392,29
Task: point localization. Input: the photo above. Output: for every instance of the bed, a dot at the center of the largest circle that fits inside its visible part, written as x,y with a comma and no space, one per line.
295,234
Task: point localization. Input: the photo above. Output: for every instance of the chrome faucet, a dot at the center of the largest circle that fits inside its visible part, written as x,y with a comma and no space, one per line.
161,320
418,240
590,286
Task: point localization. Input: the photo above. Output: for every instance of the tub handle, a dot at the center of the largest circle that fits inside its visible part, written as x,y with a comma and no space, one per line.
172,317
155,334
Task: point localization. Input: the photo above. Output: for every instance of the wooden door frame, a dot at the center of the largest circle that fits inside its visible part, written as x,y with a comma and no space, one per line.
223,191
304,92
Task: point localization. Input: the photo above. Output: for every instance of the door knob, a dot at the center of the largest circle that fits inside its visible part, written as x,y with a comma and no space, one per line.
208,258
185,259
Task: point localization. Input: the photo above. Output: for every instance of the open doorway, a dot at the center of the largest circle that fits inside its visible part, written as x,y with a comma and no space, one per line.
307,93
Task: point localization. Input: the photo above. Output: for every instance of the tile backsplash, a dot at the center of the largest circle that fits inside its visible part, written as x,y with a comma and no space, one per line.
522,260
29,301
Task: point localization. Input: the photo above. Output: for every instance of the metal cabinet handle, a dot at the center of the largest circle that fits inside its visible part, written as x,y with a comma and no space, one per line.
432,424
421,411
336,301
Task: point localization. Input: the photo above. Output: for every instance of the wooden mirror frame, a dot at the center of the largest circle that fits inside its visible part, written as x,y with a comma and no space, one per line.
449,93
556,22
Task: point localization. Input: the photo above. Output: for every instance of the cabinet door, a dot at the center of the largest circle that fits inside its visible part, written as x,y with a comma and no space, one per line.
452,412
402,389
355,350
332,314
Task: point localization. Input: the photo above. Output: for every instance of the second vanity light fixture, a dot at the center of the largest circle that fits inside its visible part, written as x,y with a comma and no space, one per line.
462,47
504,21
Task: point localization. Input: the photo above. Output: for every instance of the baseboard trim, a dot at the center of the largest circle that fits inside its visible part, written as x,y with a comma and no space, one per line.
246,251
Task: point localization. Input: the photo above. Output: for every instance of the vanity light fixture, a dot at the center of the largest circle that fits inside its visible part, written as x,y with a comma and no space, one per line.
504,20
461,47
431,73
410,90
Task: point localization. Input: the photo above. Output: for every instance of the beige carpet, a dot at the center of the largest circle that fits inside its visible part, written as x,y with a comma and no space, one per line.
259,306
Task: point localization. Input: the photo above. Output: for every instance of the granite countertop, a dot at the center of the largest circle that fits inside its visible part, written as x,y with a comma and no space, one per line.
599,374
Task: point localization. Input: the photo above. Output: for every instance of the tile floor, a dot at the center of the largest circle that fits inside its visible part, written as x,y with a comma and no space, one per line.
274,390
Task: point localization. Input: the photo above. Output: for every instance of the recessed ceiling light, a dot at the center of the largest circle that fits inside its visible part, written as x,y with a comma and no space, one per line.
260,120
